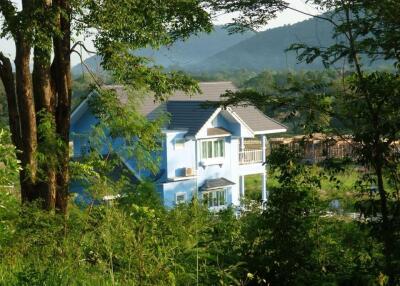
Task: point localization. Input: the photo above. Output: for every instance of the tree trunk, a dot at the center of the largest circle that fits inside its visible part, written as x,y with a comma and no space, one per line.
44,104
27,117
386,224
44,94
62,78
8,80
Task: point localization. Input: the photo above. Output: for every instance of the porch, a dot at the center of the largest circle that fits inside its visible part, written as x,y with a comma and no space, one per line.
253,187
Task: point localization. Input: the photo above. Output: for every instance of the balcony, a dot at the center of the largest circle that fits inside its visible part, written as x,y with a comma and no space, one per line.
250,156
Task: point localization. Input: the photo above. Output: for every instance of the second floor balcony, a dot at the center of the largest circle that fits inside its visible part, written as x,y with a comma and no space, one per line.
251,151
250,156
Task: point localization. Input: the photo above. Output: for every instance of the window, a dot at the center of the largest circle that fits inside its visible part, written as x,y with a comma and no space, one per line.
212,149
179,144
180,198
215,198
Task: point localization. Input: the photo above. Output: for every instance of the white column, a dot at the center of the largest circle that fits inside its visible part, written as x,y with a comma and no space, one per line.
263,145
241,179
264,174
264,187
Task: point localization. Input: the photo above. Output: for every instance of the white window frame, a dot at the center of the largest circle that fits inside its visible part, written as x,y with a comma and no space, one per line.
214,191
180,194
179,143
213,149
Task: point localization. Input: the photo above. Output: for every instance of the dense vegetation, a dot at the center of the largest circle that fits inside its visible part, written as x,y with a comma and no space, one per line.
136,241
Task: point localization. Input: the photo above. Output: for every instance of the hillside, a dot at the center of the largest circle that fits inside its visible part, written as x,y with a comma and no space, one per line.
195,49
266,50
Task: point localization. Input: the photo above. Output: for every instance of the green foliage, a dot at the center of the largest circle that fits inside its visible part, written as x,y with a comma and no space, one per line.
238,77
292,242
303,100
124,244
9,165
83,85
363,103
120,120
3,108
135,240
132,25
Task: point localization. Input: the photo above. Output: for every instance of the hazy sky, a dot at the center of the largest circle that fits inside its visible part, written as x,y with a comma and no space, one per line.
284,18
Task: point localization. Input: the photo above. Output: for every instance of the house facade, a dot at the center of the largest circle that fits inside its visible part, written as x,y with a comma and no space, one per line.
207,150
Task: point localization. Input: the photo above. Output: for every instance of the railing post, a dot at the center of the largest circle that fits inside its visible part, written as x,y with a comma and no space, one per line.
264,175
242,144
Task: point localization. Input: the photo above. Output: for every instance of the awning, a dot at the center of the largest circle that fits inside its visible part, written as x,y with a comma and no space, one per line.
218,131
216,184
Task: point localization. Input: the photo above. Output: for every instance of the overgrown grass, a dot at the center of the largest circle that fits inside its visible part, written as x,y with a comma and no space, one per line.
340,186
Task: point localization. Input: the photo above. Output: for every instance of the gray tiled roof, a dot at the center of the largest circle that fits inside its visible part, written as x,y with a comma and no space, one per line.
187,111
257,120
216,183
190,115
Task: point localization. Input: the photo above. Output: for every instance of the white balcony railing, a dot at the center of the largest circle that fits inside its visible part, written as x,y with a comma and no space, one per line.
250,157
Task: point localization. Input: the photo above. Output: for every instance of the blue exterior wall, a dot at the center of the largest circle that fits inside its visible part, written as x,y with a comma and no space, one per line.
179,159
174,161
80,131
169,191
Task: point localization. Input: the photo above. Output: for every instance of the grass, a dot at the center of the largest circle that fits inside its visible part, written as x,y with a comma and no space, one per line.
341,189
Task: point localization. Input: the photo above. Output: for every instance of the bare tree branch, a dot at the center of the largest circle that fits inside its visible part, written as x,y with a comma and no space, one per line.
82,45
95,79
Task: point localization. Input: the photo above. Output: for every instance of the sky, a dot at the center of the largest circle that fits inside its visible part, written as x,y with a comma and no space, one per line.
284,18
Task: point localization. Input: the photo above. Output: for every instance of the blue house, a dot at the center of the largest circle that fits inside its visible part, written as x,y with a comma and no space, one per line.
207,151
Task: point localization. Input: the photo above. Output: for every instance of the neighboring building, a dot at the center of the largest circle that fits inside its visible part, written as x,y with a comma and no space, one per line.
316,148
207,151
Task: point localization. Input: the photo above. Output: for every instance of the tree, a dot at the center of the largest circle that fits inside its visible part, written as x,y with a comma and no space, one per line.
365,104
282,247
39,102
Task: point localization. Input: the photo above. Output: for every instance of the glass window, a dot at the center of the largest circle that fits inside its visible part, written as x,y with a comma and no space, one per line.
209,149
215,198
212,149
180,198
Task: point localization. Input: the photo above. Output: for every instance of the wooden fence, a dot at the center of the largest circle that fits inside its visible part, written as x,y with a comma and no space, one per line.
318,147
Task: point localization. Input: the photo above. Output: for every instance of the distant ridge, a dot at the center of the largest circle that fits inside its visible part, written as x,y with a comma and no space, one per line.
264,50
196,49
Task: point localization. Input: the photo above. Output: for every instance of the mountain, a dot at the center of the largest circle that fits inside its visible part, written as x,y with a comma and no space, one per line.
220,52
266,50
182,53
